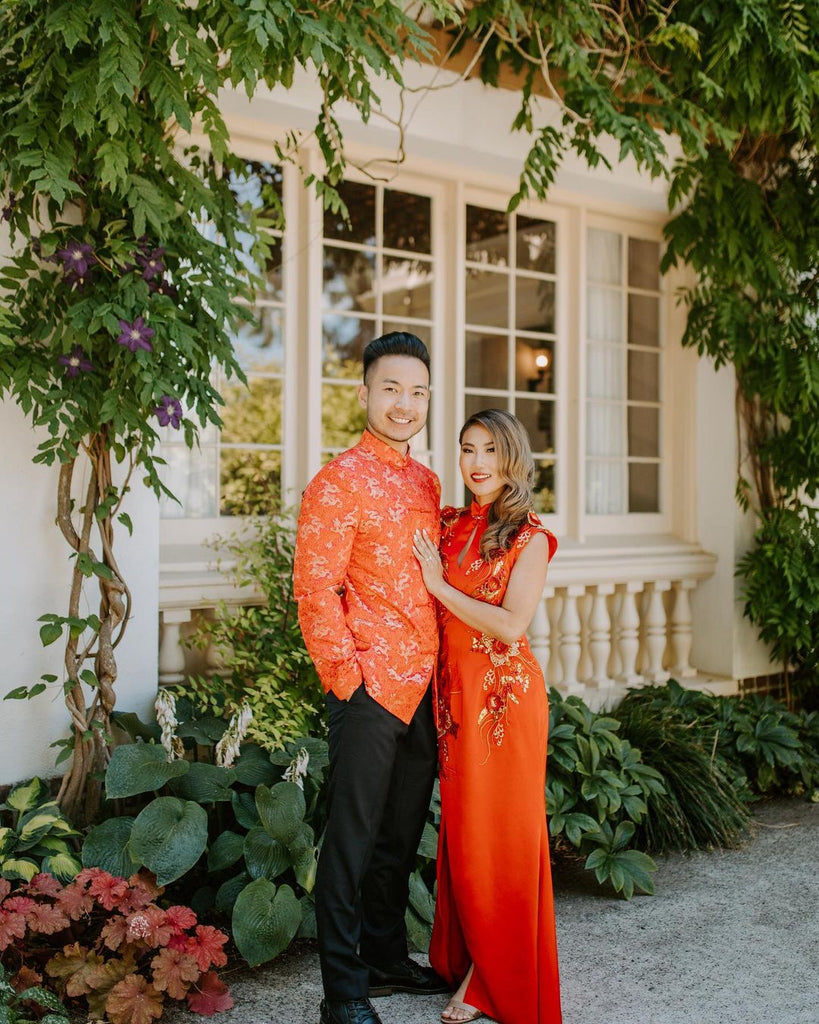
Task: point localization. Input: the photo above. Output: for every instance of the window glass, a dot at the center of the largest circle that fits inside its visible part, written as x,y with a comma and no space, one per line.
239,471
379,276
623,372
510,344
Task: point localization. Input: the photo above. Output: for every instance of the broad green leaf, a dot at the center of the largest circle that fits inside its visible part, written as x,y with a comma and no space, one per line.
265,856
225,850
265,920
140,768
281,809
168,837
106,847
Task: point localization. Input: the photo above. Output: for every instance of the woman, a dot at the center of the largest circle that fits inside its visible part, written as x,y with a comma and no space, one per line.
494,938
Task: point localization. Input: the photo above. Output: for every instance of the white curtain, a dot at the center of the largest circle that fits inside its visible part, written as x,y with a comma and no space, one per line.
605,375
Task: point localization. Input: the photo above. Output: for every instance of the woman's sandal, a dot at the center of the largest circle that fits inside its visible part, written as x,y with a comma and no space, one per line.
456,1004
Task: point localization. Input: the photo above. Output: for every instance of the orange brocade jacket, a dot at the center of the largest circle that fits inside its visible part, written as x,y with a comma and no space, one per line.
364,611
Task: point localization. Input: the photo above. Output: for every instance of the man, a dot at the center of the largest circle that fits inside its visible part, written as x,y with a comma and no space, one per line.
369,625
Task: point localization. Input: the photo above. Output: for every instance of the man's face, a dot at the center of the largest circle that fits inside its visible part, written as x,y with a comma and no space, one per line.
396,397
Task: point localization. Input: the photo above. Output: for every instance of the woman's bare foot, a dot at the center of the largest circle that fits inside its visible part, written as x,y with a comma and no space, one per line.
456,1010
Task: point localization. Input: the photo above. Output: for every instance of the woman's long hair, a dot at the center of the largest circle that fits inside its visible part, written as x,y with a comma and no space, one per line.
516,467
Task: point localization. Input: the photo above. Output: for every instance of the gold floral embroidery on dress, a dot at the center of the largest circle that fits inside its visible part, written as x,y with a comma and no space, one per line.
511,665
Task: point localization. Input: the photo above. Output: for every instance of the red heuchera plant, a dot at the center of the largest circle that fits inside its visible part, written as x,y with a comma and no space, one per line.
106,942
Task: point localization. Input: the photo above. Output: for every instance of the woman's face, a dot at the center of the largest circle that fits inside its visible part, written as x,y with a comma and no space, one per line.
479,464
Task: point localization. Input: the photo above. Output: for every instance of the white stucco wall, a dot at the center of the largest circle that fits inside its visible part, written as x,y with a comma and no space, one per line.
725,642
35,580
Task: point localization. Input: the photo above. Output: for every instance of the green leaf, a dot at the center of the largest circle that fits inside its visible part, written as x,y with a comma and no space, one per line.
228,892
27,795
265,857
265,920
281,810
140,768
19,867
168,837
106,847
253,766
225,850
64,866
49,633
204,783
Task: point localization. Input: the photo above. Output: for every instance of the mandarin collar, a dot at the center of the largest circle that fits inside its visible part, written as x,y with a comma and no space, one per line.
383,451
479,511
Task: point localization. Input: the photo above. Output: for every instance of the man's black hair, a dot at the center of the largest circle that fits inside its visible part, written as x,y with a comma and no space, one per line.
395,343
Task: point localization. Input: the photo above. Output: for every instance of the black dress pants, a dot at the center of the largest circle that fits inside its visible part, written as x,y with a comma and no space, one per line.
381,777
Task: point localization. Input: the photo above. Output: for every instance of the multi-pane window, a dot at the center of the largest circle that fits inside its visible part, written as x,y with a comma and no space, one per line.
378,277
510,330
238,471
623,374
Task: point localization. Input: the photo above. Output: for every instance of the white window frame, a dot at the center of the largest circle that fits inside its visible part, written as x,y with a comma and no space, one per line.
627,523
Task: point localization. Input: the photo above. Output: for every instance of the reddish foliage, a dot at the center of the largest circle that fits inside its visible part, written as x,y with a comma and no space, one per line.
46,919
74,901
109,892
206,947
173,972
180,918
19,904
133,1001
114,970
210,995
12,926
149,925
44,885
25,978
115,932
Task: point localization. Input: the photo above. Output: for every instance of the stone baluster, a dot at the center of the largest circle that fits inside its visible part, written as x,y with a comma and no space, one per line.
656,632
569,643
600,636
539,632
681,630
628,634
171,653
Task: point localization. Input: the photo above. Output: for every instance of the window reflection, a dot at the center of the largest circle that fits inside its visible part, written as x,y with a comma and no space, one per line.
348,279
485,360
360,202
535,305
343,341
535,242
342,418
406,287
250,482
260,345
407,221
487,236
253,414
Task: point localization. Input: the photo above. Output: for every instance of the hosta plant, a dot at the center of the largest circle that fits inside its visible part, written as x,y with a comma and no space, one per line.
596,792
34,835
106,946
235,838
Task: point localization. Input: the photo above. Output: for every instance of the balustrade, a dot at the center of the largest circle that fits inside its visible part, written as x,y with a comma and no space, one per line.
605,622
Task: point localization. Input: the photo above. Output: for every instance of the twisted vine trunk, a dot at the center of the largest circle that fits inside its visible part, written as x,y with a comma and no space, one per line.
90,699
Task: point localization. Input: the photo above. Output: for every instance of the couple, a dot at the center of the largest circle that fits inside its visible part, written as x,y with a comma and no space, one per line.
379,573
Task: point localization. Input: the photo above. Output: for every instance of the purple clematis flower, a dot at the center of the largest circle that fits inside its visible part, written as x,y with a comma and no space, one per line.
151,263
76,257
136,335
76,362
169,412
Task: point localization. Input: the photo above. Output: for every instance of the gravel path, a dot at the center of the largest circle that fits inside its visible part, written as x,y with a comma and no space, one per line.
730,938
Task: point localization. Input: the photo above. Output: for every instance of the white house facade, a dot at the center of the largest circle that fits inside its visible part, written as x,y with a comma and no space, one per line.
556,312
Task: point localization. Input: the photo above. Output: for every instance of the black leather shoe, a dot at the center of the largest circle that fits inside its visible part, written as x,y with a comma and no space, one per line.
351,1011
406,976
